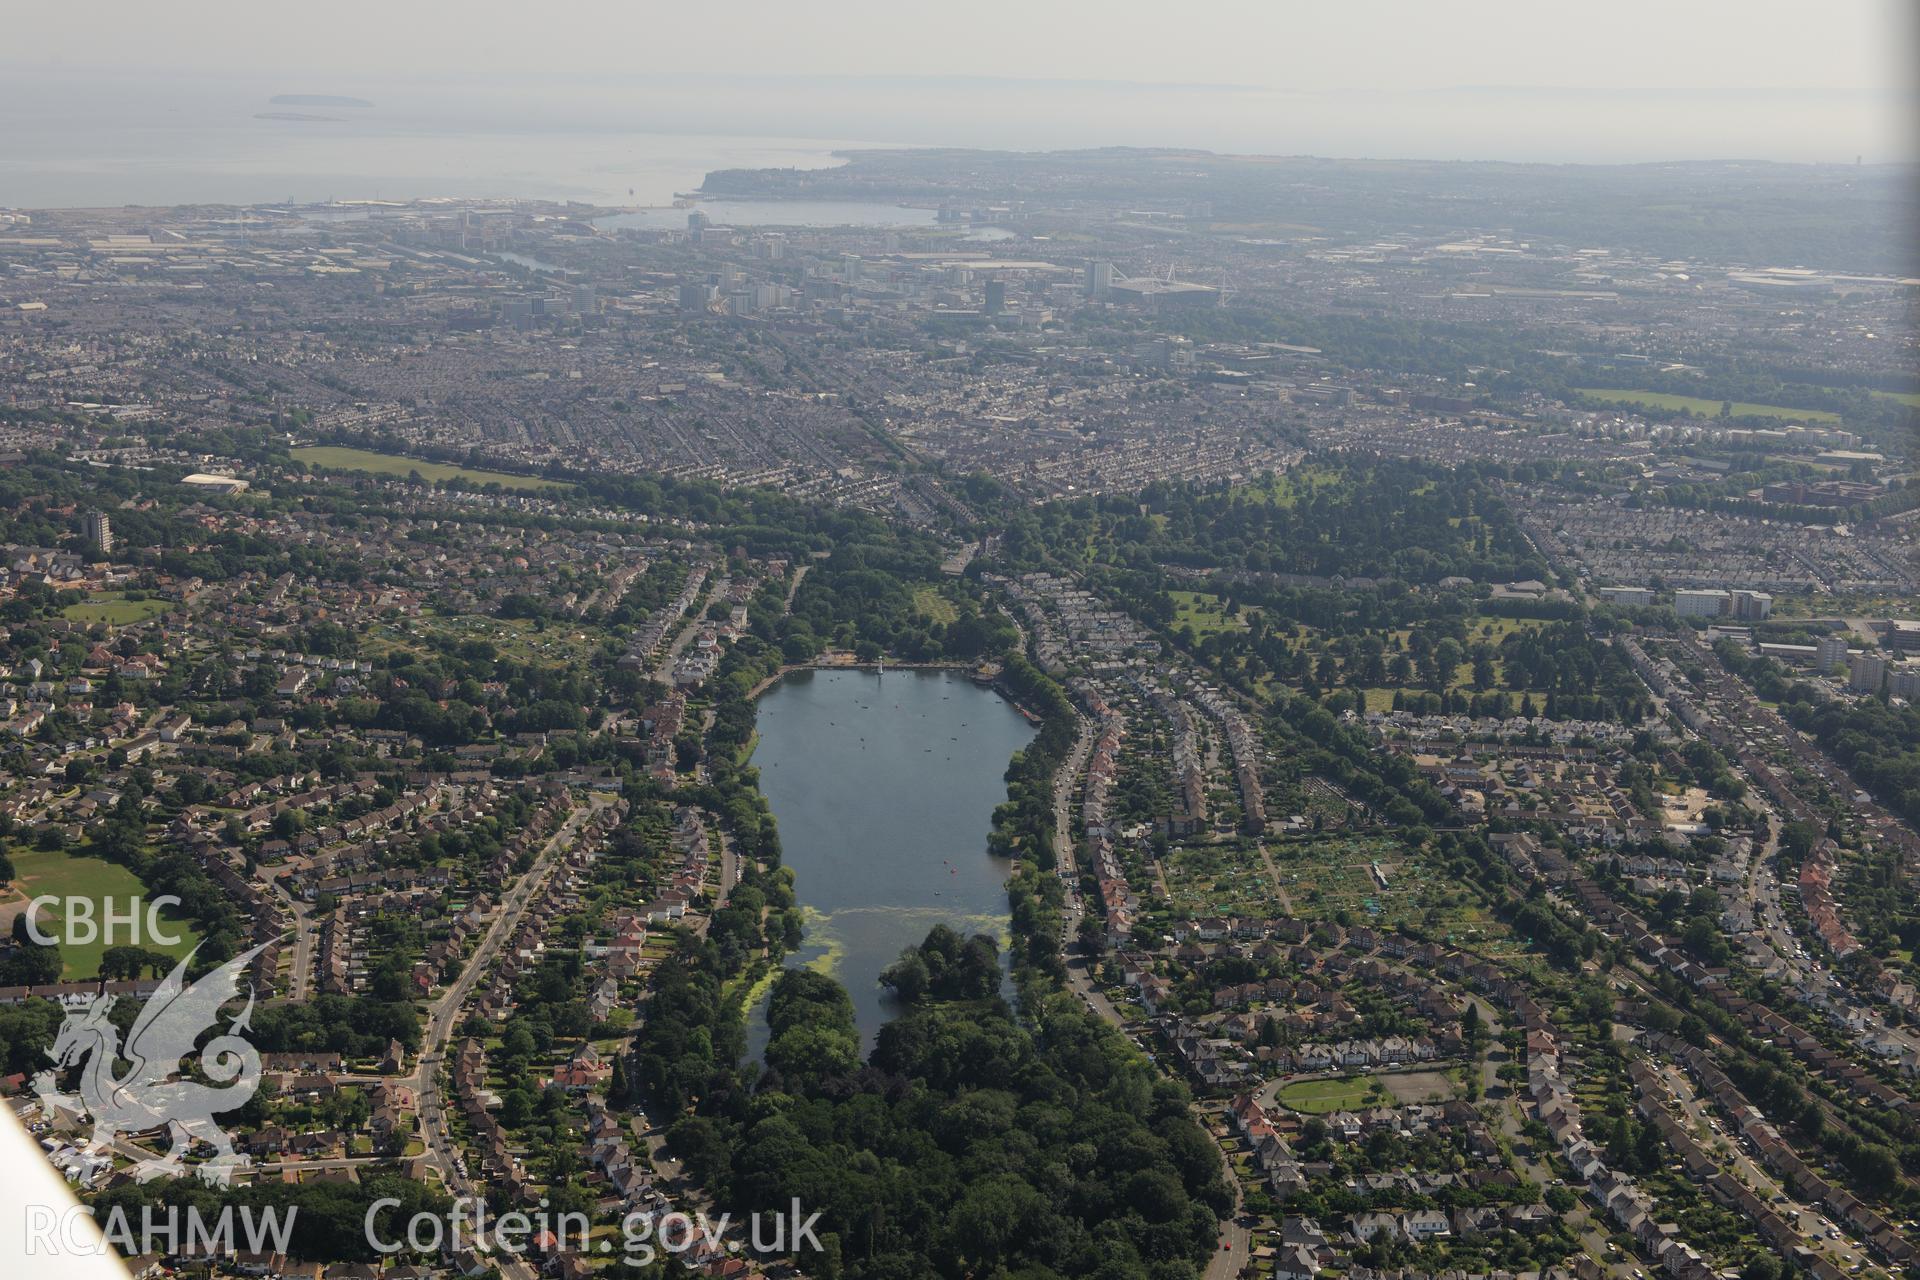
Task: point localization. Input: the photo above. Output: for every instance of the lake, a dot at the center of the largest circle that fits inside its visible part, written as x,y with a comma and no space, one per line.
884,788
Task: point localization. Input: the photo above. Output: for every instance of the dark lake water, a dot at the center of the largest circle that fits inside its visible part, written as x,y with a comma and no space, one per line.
884,789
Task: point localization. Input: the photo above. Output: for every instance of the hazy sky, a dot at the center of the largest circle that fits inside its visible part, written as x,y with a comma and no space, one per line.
1519,79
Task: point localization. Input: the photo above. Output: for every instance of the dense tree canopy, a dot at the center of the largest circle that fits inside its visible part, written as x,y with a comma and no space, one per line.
972,1142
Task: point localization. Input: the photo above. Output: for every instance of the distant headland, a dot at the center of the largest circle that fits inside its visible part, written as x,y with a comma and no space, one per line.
316,100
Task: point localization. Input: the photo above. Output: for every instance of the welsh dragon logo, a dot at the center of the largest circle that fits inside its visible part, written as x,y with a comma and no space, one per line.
147,1095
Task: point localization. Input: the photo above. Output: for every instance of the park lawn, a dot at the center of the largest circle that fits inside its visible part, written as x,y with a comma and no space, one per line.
65,875
114,609
1321,1097
1704,407
339,458
1909,398
1494,628
934,607
1379,699
1204,613
1481,628
1461,681
1290,486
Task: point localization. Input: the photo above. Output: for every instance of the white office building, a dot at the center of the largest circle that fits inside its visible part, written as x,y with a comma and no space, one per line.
100,533
1700,604
1866,672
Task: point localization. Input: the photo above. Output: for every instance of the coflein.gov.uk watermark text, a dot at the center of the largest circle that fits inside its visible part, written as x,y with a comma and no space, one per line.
171,1230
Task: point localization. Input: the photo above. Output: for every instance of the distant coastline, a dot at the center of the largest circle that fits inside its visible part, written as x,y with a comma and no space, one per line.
315,100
